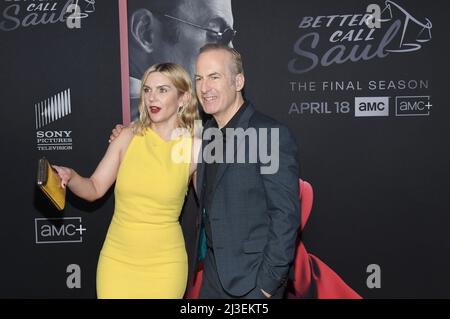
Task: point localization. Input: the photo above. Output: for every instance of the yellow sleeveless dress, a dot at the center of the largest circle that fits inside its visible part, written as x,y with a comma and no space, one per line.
144,254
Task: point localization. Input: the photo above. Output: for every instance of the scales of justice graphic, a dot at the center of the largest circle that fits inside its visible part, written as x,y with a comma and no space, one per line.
89,8
410,42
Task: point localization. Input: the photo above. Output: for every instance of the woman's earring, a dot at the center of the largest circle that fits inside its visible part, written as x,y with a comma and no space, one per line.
180,110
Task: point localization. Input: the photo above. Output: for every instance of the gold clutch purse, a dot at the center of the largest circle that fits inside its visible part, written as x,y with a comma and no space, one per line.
50,184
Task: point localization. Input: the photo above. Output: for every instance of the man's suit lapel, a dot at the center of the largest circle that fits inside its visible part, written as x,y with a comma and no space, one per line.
201,164
200,178
243,123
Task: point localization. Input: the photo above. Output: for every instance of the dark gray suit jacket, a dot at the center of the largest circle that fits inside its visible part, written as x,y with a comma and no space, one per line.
254,217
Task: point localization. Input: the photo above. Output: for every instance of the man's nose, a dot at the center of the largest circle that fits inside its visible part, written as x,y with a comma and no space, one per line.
204,86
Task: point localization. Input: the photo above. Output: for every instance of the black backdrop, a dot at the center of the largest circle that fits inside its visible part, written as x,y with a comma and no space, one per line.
381,182
38,62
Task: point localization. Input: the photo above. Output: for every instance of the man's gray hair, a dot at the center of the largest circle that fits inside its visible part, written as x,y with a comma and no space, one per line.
235,55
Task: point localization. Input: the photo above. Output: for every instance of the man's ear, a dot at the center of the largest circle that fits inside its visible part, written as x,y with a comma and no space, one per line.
142,29
240,81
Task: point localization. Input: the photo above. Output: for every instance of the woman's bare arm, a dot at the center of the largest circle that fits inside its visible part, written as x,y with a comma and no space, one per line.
94,187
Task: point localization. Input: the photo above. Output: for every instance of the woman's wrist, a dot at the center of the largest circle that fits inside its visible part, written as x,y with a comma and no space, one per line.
70,177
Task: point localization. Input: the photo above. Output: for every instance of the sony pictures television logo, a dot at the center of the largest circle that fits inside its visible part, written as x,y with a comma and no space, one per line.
59,230
47,112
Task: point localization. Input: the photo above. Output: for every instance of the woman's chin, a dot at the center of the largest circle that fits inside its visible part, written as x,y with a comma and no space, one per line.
156,118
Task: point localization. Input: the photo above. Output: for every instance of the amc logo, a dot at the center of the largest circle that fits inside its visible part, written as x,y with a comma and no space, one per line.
371,106
58,230
412,105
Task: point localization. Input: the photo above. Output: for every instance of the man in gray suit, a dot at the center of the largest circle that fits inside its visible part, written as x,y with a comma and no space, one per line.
249,211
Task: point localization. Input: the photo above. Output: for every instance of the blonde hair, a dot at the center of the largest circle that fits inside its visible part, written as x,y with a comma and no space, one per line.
182,82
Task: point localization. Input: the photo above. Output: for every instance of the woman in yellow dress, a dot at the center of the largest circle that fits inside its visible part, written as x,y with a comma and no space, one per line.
144,254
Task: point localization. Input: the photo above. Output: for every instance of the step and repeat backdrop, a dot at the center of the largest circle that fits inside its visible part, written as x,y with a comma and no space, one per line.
363,85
